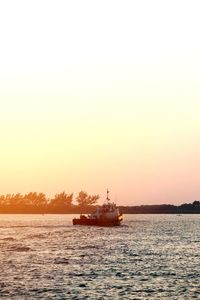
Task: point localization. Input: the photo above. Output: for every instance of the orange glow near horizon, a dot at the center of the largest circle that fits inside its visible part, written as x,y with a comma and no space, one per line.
91,103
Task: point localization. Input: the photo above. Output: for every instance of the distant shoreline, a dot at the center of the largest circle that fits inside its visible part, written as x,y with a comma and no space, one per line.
192,208
62,213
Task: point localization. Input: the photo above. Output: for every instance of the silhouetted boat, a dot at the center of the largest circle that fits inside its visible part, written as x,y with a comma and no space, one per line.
106,215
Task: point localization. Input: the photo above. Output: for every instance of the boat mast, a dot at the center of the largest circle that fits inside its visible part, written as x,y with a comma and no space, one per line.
108,199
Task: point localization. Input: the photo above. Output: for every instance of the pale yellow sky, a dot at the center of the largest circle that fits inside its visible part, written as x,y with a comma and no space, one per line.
101,94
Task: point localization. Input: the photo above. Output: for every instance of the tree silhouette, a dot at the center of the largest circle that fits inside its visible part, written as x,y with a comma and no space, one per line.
35,199
196,203
16,199
62,199
93,199
2,200
83,199
40,200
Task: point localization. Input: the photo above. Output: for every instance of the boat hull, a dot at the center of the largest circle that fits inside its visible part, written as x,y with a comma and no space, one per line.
96,222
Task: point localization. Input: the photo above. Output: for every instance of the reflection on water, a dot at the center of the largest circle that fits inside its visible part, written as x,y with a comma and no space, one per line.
148,257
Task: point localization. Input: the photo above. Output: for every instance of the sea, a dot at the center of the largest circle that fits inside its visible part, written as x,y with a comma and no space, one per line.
147,257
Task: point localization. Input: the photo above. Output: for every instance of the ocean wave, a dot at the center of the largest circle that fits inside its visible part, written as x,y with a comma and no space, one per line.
61,261
19,249
9,239
34,226
36,236
88,247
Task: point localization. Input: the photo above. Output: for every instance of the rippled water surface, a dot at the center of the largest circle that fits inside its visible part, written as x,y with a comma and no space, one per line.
148,257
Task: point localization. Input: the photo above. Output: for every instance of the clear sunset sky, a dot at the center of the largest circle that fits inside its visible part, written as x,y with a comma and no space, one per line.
101,94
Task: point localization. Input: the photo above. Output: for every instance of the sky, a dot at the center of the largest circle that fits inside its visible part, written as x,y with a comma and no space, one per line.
101,94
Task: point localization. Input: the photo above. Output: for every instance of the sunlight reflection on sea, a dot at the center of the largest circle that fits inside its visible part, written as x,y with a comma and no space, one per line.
148,257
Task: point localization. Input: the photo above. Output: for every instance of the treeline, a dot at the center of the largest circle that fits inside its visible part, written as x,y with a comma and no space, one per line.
84,203
38,203
186,208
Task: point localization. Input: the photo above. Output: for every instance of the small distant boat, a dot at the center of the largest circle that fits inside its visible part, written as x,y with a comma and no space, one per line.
106,215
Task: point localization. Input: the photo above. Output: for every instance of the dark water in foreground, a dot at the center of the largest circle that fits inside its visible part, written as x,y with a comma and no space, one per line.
149,257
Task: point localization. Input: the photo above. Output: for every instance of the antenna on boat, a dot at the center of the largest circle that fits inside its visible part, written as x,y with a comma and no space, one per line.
107,195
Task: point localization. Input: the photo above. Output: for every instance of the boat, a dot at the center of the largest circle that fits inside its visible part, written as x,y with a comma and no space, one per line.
106,215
